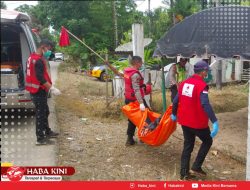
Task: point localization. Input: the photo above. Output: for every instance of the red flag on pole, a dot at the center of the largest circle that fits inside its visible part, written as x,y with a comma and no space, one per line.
64,38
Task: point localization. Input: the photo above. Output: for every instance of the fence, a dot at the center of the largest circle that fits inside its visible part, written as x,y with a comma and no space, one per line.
232,70
245,76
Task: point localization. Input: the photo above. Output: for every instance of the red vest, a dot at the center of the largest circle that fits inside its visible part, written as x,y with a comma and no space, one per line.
32,84
190,111
129,91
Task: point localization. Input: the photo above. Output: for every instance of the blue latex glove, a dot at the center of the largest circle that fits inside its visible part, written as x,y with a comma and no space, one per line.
215,129
173,117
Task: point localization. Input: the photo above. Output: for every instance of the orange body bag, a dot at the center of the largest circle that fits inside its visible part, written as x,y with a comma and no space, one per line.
142,120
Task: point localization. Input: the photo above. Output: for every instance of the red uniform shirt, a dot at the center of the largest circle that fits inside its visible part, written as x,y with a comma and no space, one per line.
32,84
129,91
190,111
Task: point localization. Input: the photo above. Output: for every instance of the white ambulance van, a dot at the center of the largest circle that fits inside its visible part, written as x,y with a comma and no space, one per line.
17,42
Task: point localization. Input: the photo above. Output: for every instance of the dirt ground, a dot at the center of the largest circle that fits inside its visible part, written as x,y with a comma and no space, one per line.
96,147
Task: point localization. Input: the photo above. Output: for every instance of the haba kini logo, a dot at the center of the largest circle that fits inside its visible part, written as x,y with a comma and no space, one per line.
16,173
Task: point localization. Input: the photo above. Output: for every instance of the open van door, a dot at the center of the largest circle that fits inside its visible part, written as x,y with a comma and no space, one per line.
17,42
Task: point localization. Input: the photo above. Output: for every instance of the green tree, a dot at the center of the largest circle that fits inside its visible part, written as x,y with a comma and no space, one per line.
31,11
245,3
24,8
180,9
95,23
91,21
160,23
36,23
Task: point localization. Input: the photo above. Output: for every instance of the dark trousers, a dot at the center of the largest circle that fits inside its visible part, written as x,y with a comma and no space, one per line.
189,140
42,113
131,126
174,91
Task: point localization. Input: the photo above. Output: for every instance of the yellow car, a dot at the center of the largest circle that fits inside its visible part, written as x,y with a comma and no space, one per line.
99,72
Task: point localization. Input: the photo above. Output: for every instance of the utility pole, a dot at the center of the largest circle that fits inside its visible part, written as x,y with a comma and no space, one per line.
115,23
138,40
171,6
149,16
107,84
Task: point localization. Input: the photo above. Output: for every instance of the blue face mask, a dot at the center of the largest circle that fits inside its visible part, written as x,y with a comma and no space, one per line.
47,54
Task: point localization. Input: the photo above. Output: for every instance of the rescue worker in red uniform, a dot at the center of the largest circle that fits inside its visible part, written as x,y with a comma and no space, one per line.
135,89
38,83
194,111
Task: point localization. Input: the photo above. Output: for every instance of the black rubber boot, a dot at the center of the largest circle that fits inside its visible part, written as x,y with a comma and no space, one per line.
130,141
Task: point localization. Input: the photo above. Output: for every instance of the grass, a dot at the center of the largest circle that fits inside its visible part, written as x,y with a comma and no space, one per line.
93,87
99,109
69,65
65,65
231,98
157,103
65,103
94,109
86,97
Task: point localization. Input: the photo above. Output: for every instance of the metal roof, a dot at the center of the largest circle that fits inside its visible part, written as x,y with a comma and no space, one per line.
128,47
